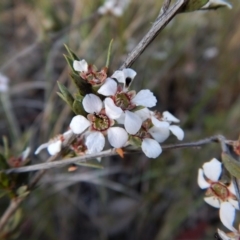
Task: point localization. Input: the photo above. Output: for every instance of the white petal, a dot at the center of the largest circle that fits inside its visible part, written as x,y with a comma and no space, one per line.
79,124
202,183
54,147
231,188
212,169
129,73
234,203
117,11
143,113
121,119
213,201
92,103
129,76
80,66
67,134
95,142
112,110
117,137
41,147
159,124
26,153
227,215
151,148
159,134
119,76
132,122
109,88
167,116
145,98
223,235
177,131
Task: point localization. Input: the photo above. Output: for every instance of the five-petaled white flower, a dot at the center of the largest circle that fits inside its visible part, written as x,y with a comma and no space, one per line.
154,130
217,192
98,123
120,102
161,124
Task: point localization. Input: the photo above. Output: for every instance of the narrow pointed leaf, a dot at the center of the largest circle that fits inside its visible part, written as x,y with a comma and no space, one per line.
66,94
71,53
3,162
109,53
232,165
193,5
91,163
69,62
82,86
78,109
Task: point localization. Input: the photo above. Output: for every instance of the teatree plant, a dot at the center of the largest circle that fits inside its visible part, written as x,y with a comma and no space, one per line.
110,118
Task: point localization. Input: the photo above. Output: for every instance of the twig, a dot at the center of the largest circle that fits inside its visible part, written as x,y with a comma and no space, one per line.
165,7
110,152
158,25
14,205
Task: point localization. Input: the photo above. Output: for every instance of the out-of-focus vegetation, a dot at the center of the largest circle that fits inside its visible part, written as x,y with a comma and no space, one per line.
193,69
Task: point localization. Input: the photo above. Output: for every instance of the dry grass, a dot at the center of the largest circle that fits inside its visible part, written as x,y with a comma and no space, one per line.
144,199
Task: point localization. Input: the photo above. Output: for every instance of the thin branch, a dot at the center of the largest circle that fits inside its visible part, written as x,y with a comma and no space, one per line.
158,25
110,152
14,205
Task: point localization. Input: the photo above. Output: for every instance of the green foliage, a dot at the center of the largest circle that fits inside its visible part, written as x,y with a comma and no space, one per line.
65,94
232,165
194,5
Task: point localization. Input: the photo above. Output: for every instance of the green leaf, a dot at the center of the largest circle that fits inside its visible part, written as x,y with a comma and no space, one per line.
3,162
77,107
109,53
71,53
14,221
66,94
232,165
22,191
90,163
2,193
82,86
215,4
6,147
193,5
69,62
4,180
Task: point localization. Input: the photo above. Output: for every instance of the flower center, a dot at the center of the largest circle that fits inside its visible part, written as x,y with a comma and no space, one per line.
100,122
122,100
142,133
220,191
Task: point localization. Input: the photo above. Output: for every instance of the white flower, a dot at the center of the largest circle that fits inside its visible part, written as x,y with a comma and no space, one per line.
115,7
54,146
161,128
122,101
98,123
4,81
208,178
80,66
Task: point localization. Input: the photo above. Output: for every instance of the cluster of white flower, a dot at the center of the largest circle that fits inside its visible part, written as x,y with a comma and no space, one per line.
220,195
118,113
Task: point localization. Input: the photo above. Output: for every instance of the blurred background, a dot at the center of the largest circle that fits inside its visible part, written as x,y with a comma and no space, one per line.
193,69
